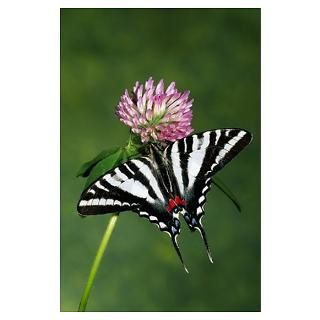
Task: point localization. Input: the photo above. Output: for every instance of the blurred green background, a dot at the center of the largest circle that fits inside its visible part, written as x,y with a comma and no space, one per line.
214,53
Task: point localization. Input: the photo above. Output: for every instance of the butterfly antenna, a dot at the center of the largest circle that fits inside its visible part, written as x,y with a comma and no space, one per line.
203,236
175,244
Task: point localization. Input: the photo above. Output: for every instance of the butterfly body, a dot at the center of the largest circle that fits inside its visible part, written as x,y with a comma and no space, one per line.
167,182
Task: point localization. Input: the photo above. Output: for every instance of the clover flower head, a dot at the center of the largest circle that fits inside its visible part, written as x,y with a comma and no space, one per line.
155,113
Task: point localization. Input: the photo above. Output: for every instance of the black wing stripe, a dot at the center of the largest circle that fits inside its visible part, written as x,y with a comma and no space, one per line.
205,169
197,158
230,146
146,177
189,145
124,169
158,174
104,183
142,179
184,156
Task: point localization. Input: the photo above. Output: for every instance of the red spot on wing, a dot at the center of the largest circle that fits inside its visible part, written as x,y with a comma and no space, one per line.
177,201
171,205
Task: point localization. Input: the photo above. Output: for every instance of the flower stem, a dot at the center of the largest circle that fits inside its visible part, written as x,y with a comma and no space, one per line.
97,260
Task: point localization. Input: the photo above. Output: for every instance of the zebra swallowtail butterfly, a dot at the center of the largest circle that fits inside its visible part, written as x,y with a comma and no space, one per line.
167,182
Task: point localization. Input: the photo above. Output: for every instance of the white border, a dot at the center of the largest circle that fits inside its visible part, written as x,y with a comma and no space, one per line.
30,159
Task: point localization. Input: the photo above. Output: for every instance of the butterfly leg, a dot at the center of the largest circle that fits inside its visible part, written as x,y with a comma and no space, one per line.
194,223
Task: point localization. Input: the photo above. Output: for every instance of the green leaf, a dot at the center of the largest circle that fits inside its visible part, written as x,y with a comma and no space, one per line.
227,192
105,165
132,153
86,168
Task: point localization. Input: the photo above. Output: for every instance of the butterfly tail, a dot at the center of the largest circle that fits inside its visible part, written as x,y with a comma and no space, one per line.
203,236
175,244
194,223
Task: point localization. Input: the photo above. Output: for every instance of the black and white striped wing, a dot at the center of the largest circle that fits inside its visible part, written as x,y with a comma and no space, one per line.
134,185
195,159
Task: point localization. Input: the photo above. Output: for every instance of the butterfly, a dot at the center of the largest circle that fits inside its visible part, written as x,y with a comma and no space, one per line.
167,182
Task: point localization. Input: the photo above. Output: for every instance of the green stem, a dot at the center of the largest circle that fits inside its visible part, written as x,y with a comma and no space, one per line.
97,260
227,192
